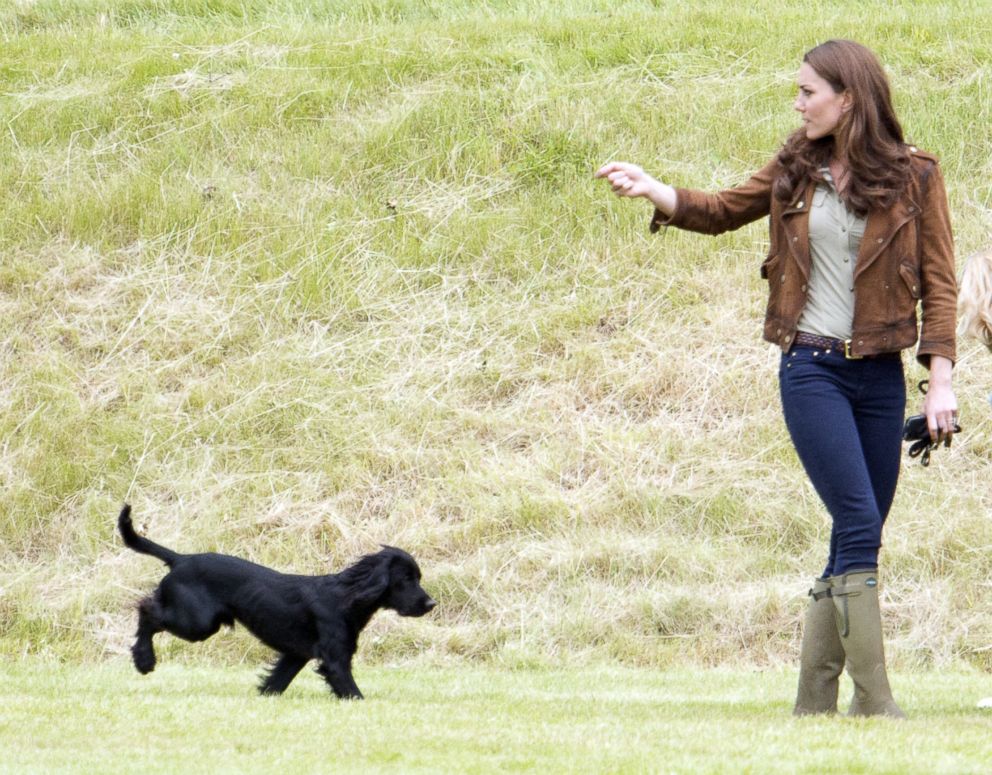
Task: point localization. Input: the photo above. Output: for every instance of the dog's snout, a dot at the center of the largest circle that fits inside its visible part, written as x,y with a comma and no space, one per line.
429,604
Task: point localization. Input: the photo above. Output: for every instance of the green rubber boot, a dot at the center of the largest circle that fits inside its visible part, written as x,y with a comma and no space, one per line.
859,624
821,658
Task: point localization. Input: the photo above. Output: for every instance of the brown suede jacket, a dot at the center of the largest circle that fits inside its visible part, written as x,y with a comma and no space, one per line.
906,259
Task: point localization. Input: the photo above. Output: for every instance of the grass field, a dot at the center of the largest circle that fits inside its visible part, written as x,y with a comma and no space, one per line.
472,719
296,278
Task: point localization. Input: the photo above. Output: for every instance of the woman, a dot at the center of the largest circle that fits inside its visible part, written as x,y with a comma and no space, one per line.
860,234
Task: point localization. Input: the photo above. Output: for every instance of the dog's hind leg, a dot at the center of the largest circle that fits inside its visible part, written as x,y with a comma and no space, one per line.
149,623
281,674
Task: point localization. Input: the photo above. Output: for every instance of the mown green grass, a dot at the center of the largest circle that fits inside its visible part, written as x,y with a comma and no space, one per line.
106,718
296,278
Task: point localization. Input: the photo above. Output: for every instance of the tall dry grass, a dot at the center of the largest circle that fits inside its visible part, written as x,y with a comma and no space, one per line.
295,279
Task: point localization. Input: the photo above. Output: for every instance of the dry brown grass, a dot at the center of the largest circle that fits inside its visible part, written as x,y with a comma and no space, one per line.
292,296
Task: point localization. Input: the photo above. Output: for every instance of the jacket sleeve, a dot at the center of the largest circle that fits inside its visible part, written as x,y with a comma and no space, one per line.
938,292
724,211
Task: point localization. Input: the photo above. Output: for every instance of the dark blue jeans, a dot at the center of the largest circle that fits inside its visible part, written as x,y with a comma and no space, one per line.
845,418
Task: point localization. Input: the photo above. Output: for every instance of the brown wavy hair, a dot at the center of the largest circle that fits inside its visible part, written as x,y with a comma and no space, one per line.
869,134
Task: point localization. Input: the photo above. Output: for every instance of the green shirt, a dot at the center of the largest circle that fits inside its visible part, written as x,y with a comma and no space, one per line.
834,238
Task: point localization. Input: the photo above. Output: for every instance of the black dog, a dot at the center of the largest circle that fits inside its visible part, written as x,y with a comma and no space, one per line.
301,617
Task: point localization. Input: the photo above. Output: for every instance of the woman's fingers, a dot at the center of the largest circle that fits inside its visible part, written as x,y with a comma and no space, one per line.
611,168
622,177
605,170
941,408
942,425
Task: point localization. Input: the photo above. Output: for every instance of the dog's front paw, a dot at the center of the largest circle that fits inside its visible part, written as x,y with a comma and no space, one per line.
144,659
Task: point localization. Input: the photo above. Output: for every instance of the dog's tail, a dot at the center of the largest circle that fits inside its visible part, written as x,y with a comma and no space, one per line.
140,543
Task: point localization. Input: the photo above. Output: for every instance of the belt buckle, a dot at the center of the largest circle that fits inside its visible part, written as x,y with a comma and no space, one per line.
847,352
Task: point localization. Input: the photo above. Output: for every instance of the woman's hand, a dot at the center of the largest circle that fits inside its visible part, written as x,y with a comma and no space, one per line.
940,404
631,181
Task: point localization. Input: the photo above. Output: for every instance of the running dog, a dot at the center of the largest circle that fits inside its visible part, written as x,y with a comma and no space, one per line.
301,617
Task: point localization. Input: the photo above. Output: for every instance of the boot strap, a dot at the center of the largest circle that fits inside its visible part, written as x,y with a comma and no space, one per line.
849,590
840,595
835,592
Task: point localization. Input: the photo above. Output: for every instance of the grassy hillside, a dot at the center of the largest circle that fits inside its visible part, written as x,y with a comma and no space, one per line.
295,278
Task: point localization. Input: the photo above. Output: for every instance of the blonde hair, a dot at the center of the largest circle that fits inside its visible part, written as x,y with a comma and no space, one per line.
975,297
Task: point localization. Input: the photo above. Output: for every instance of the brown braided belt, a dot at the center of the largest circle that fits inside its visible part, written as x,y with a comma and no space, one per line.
827,344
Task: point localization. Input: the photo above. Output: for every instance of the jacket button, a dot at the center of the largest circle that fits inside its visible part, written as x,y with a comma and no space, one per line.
795,239
779,332
879,240
800,203
913,149
787,338
783,279
804,289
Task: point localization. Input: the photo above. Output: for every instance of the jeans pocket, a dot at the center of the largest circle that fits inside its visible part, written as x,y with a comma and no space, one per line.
803,365
799,356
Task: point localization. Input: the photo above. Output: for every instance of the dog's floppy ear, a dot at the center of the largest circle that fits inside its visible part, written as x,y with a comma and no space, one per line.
368,579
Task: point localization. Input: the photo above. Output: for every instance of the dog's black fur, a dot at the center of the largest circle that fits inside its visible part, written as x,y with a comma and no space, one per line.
301,617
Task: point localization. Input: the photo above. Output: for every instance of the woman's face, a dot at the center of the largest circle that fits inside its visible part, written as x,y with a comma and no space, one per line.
819,105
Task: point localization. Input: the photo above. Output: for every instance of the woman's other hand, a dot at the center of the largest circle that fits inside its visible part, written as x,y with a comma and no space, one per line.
940,404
